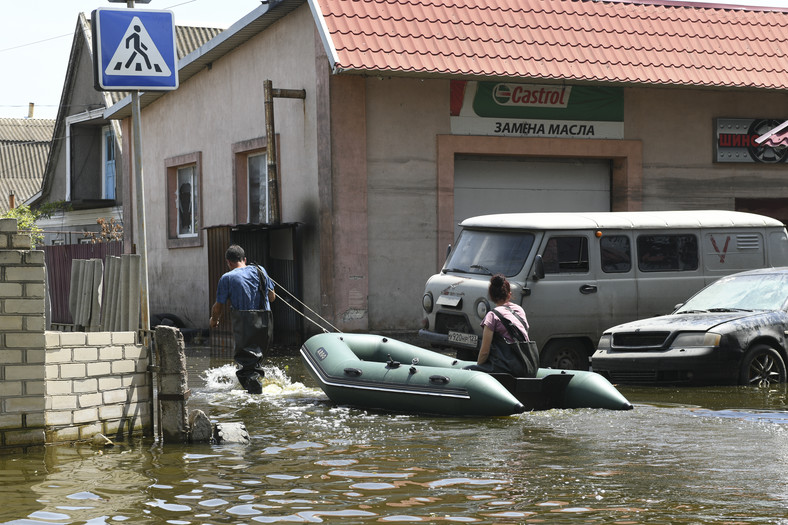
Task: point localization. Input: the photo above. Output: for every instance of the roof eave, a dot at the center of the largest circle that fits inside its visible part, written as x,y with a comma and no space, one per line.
223,44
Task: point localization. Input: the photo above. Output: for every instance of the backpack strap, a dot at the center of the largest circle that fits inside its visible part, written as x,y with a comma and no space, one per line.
260,285
514,332
522,321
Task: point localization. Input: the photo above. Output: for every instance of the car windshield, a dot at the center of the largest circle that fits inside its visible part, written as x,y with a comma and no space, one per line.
490,252
741,292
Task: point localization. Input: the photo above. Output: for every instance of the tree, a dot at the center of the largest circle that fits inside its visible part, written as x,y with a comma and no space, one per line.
26,218
26,222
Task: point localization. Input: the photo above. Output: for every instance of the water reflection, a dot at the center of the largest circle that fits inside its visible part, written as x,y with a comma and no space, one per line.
682,456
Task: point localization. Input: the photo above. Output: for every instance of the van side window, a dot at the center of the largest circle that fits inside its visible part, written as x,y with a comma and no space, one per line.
566,255
667,253
616,254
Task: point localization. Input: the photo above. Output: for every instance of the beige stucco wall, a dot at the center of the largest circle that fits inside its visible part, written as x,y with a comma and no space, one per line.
210,112
677,130
404,118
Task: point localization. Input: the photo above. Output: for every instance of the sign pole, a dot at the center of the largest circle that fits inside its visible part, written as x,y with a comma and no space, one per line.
142,242
142,245
135,50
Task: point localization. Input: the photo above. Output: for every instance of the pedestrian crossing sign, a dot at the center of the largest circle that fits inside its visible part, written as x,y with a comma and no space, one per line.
134,49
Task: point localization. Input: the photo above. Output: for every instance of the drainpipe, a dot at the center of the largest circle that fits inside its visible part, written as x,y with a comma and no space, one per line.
270,151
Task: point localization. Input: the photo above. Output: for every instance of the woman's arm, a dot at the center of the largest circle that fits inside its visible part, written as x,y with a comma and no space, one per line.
484,351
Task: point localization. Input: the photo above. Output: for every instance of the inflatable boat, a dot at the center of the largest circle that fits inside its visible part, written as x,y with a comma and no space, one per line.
371,371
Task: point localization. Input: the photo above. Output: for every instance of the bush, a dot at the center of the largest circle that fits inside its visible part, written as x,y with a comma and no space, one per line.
26,222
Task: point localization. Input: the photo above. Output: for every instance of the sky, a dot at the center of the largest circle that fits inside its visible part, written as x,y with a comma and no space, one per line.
36,37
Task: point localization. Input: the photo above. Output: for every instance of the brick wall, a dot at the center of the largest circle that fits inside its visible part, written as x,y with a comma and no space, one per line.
96,382
60,386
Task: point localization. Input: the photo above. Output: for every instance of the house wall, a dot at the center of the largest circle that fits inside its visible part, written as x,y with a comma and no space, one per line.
217,108
56,386
677,130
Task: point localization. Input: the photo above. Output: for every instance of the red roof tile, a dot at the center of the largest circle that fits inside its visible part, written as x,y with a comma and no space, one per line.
581,40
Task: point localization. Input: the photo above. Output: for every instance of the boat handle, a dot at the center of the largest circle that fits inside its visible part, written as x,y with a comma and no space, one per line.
441,380
355,372
391,363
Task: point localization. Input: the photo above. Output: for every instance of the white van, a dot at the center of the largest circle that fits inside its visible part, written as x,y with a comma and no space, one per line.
576,274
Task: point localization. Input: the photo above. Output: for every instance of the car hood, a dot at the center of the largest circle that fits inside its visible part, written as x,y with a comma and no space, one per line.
671,323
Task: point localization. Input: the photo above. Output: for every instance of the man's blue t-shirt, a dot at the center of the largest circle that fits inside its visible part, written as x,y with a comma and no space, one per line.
241,287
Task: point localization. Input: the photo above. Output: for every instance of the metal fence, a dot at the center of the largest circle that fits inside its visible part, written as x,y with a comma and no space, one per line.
58,261
277,249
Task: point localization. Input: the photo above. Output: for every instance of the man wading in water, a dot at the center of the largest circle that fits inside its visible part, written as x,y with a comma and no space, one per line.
250,292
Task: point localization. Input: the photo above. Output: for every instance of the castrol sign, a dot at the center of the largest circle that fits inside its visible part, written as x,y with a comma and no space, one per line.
536,96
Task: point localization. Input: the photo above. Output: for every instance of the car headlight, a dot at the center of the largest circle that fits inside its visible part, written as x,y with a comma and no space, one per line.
697,339
426,302
482,307
604,342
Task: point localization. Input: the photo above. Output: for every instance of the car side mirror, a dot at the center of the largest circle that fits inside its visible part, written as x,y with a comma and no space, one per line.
538,268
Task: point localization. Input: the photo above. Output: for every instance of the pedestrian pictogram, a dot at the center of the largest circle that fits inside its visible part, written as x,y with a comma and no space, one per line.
137,54
134,50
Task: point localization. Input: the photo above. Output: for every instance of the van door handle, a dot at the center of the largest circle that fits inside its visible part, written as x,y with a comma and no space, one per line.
587,289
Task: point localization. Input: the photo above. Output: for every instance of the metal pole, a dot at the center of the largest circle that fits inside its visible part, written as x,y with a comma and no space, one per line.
270,150
270,153
142,246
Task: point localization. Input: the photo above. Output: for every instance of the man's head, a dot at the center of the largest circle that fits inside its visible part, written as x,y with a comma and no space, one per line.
235,254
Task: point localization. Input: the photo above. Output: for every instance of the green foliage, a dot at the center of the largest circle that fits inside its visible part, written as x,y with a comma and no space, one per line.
26,222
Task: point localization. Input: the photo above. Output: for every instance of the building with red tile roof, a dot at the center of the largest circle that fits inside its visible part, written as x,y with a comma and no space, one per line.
420,113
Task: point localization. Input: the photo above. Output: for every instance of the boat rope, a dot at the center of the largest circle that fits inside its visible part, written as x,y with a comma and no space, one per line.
294,298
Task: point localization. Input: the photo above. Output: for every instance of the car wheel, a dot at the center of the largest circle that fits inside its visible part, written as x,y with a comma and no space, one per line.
762,365
564,354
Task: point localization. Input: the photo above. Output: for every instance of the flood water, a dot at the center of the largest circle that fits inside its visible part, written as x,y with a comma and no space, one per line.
683,455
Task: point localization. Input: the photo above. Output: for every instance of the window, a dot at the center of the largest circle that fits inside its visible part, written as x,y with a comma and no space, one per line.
184,208
186,201
566,255
615,254
667,253
258,188
108,163
490,252
250,166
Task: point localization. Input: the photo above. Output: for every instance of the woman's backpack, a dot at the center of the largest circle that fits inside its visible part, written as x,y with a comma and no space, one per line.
519,358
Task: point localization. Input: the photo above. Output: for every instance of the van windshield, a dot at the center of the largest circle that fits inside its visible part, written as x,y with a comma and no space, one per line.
490,252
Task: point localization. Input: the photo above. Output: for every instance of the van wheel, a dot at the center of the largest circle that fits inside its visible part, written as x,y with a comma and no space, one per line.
762,365
564,354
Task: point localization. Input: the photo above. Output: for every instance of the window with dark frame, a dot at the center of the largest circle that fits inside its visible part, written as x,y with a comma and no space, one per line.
664,252
566,255
184,200
250,169
615,253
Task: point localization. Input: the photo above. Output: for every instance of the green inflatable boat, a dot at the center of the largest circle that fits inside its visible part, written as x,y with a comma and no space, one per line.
371,371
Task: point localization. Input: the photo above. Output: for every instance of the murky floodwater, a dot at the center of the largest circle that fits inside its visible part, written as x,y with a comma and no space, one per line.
683,455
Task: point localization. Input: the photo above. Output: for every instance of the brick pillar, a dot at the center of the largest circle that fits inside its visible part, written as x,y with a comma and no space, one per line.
22,342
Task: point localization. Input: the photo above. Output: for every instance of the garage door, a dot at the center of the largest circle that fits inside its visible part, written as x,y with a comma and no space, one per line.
485,185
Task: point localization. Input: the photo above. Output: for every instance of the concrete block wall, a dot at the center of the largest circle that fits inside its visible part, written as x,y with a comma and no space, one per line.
96,382
22,324
60,386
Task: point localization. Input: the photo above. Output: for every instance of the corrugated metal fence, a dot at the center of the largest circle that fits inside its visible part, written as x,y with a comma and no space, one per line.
277,249
58,261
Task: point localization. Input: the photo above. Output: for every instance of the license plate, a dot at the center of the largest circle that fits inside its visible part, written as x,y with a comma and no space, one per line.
463,339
